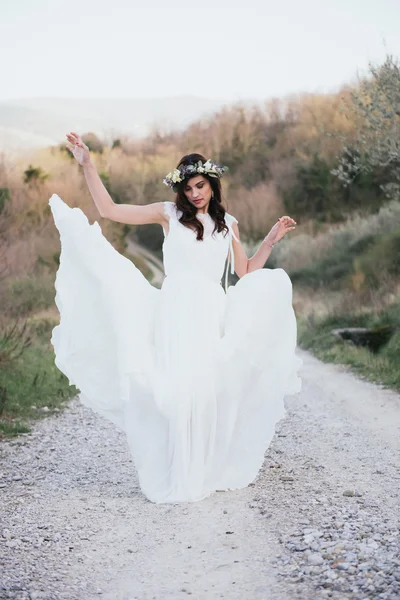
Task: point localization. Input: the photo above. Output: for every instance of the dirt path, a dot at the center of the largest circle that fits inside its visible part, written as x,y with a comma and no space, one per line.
153,262
75,525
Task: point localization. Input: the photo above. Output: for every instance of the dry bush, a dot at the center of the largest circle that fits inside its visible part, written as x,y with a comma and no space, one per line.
257,210
302,250
311,116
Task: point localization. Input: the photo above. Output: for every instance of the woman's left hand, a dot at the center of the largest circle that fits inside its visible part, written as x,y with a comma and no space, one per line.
281,227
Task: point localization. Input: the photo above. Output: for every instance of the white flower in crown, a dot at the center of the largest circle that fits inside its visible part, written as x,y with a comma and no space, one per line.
210,168
176,176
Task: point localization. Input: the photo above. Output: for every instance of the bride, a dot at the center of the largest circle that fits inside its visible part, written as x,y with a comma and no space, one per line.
194,375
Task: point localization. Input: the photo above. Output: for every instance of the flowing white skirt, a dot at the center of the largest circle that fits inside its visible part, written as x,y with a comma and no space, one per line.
195,378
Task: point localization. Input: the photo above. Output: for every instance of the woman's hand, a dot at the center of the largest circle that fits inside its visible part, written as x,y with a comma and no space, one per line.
78,148
281,227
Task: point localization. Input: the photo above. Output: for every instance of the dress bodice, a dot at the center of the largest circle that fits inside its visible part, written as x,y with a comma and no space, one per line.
184,255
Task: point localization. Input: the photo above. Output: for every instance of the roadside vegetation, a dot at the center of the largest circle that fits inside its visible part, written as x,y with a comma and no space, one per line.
332,162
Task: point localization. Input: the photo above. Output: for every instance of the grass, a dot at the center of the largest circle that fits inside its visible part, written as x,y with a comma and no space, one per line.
301,251
369,257
383,367
33,382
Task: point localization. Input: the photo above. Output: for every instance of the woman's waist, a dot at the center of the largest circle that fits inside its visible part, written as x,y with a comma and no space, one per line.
193,276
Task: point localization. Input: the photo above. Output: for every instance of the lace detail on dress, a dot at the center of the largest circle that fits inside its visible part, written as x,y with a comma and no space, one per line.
170,209
229,219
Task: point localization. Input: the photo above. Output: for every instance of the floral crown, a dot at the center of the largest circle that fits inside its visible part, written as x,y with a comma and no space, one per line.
184,171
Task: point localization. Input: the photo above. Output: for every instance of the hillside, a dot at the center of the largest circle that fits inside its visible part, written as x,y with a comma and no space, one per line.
30,123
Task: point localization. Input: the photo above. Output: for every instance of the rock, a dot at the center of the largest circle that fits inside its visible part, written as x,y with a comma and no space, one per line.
13,543
315,559
372,338
308,538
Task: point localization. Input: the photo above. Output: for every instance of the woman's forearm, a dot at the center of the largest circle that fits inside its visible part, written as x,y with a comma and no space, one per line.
101,197
260,257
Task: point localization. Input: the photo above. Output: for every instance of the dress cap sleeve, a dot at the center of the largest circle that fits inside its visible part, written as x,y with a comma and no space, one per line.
229,219
170,209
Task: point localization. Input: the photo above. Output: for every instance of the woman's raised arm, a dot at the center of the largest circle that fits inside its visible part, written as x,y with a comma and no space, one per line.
123,213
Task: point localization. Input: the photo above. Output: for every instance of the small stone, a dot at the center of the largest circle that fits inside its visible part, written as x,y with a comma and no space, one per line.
287,478
315,559
331,574
308,538
349,493
13,543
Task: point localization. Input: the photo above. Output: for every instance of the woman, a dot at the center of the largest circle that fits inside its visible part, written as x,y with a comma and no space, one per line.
194,376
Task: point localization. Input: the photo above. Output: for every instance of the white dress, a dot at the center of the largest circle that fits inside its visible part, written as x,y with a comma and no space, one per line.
194,376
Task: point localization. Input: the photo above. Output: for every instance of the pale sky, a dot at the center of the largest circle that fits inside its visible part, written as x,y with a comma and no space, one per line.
226,49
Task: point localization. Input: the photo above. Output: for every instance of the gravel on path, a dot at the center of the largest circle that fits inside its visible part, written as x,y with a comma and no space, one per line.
321,520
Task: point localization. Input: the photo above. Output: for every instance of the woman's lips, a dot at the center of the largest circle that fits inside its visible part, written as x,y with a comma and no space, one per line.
197,201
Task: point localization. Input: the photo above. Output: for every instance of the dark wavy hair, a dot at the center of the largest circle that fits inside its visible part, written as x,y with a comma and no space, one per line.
216,210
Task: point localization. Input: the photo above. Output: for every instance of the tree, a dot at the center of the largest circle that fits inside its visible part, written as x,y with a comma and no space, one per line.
93,142
375,107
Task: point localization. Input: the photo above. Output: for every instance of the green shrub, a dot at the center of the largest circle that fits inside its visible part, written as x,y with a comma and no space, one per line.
31,382
373,256
93,142
383,256
35,175
28,294
4,198
392,349
315,334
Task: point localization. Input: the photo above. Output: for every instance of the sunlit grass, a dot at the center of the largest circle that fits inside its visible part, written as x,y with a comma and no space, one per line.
33,382
315,334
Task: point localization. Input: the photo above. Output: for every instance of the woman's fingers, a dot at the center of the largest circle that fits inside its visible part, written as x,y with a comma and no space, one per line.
74,137
287,221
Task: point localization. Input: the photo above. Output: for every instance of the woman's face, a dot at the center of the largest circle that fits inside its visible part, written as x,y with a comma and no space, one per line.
198,191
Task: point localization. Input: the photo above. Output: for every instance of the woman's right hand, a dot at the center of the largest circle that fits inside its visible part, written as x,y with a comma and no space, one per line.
76,146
